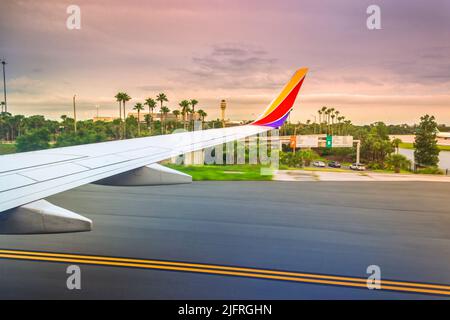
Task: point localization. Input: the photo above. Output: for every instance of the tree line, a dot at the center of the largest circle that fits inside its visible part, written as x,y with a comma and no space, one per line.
377,150
36,132
186,108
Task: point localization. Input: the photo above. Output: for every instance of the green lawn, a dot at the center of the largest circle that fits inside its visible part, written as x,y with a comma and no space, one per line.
6,148
408,145
223,172
391,171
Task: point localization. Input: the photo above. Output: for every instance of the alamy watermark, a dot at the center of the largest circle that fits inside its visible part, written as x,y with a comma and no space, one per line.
374,279
73,21
373,21
73,282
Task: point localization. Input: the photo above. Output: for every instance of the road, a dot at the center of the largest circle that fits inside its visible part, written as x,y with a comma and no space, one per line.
327,174
322,228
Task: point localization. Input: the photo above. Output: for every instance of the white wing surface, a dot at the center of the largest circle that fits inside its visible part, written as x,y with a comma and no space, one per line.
30,176
27,178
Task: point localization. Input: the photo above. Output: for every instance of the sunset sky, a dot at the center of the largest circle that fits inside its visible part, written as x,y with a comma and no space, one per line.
242,51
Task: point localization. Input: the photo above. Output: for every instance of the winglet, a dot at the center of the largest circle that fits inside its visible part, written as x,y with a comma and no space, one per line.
278,110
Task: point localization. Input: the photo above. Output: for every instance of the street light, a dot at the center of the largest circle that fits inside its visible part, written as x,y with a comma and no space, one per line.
4,85
74,114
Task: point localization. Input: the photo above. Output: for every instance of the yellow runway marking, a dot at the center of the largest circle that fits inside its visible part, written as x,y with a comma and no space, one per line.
225,270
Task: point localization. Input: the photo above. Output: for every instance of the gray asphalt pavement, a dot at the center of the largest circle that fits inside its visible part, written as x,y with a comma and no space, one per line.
336,228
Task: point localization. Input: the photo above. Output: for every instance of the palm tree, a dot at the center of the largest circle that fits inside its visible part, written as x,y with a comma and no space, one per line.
193,103
139,107
327,119
331,115
202,115
339,124
337,113
148,119
124,97
162,98
118,97
151,106
324,112
164,112
176,113
398,162
396,143
347,124
18,124
184,110
332,122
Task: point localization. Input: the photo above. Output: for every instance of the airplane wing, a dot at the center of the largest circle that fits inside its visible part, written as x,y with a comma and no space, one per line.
26,178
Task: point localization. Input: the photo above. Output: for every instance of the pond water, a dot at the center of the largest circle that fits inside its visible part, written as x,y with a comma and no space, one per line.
444,157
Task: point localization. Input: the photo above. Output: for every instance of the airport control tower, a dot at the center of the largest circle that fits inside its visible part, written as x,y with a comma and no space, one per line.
223,106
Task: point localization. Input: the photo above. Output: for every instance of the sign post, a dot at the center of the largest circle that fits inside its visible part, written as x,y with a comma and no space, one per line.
293,142
358,147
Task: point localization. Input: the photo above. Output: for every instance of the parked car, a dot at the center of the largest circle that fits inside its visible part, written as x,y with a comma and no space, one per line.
334,164
358,167
319,164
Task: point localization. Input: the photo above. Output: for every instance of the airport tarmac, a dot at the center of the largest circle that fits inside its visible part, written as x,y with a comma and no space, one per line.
265,240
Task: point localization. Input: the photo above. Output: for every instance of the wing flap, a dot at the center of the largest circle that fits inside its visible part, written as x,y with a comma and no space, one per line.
102,161
52,172
21,161
12,181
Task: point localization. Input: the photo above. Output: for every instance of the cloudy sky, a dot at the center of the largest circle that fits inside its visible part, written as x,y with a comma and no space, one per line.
239,50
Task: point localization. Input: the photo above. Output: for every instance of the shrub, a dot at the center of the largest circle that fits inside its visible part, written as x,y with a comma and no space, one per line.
398,162
375,166
34,140
291,159
430,170
299,158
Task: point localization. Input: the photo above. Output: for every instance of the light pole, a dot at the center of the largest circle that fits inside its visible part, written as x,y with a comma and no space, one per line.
4,86
74,114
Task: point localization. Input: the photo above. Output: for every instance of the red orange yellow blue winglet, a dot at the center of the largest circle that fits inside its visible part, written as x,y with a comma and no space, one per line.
278,110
